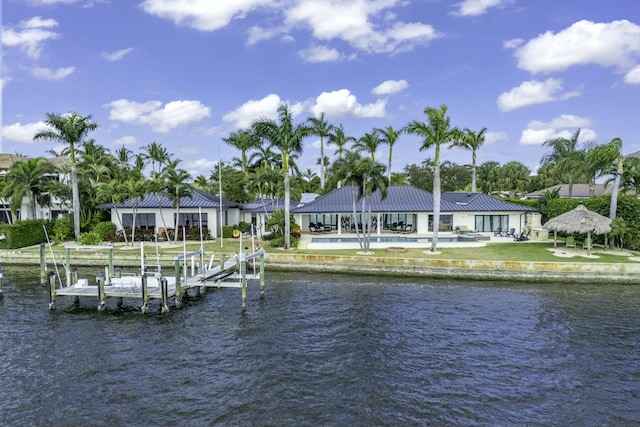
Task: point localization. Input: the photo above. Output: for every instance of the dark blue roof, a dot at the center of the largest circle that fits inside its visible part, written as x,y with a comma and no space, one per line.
483,202
406,198
198,199
260,205
400,198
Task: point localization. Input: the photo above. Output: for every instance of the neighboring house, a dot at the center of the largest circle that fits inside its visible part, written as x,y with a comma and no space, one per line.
410,206
201,208
55,209
579,191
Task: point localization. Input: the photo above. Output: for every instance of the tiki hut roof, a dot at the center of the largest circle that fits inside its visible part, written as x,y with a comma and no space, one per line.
579,220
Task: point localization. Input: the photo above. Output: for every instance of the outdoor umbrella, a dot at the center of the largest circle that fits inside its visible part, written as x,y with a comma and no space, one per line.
579,220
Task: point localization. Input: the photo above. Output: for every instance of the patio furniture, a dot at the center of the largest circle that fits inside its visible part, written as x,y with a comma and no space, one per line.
570,242
408,229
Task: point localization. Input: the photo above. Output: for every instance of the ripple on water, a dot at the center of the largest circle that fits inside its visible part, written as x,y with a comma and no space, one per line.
328,350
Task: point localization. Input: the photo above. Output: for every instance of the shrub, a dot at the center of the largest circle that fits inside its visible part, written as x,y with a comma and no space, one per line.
27,233
90,238
245,227
227,231
63,229
106,230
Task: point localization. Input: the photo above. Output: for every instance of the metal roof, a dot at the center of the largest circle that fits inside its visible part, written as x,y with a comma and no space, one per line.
198,199
481,202
400,198
405,198
260,205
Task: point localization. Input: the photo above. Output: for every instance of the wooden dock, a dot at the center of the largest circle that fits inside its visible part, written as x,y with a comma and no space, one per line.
190,273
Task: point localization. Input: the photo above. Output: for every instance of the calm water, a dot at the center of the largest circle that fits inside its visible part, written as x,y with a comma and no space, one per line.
327,350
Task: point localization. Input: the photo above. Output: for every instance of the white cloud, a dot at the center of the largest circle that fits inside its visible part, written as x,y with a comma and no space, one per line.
125,140
244,115
615,44
19,132
320,54
117,55
160,119
200,167
30,35
493,137
477,7
512,44
202,15
533,92
342,103
633,76
389,87
49,74
356,23
563,126
366,25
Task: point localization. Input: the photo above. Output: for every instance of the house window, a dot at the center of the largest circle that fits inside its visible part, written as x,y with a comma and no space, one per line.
189,220
392,221
491,223
446,223
144,221
5,215
328,220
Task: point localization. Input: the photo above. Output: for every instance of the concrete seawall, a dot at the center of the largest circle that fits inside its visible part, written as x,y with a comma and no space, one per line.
588,272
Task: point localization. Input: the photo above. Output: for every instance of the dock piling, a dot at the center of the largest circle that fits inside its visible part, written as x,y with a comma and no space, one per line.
101,297
145,294
0,281
52,290
165,295
43,264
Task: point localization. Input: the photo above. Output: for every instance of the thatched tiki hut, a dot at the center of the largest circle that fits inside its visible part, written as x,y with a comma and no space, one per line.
579,220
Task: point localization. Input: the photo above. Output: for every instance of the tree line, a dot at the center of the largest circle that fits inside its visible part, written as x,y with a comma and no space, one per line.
267,166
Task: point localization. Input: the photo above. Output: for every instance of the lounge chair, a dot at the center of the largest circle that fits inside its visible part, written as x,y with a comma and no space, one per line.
407,229
498,232
314,229
511,233
570,242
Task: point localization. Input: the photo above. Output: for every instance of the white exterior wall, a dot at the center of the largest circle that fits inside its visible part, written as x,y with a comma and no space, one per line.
212,217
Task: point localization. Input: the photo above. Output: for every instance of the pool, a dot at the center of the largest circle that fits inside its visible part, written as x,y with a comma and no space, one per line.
386,239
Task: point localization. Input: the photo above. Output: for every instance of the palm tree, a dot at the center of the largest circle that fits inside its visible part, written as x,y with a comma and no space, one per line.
369,142
320,127
514,177
435,132
338,138
286,137
29,178
389,136
243,140
177,186
134,189
159,155
567,158
472,141
70,129
112,192
608,159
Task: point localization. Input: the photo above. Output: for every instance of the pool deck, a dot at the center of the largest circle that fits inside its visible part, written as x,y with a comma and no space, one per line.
313,241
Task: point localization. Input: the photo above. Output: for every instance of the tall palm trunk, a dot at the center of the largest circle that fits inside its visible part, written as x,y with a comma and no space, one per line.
322,163
473,172
76,200
287,201
355,215
436,207
616,187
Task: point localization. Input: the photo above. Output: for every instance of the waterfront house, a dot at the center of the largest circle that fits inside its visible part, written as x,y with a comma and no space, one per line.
410,209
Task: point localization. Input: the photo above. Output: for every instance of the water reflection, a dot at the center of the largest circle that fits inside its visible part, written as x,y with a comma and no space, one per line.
327,350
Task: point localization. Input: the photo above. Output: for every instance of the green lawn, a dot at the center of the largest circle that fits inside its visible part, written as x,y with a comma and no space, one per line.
516,251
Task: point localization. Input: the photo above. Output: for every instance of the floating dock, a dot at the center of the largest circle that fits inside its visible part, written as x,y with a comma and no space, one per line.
190,272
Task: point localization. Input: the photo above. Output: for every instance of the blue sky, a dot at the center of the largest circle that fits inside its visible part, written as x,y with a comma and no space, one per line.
186,73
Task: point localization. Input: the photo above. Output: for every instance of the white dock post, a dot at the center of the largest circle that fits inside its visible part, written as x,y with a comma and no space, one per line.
52,290
0,281
145,294
243,272
262,274
101,298
164,289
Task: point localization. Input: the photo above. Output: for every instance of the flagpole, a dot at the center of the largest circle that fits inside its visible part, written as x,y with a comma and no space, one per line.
220,194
